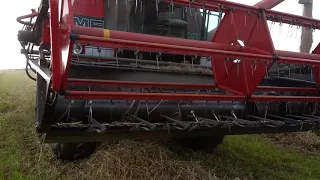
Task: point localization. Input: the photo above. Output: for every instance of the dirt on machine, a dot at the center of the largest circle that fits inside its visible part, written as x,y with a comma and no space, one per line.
190,71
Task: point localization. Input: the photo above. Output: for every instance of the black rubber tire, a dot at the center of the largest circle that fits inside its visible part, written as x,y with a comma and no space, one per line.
205,144
73,151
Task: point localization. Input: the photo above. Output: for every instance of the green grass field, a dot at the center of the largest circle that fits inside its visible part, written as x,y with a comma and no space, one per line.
289,156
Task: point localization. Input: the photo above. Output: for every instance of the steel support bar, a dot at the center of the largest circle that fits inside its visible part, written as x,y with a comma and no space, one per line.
109,83
106,34
81,57
257,98
192,47
298,61
268,4
172,49
90,95
185,49
286,89
55,48
131,84
297,55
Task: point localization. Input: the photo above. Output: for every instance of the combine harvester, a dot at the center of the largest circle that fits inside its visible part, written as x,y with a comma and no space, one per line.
165,69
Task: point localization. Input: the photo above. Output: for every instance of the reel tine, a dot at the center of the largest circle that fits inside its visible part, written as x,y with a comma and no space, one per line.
238,66
234,115
289,70
190,4
272,26
136,55
266,67
192,59
158,56
172,5
69,109
298,27
193,115
180,114
157,7
280,28
301,71
147,107
155,107
90,112
266,110
183,13
136,6
291,29
195,14
215,116
117,59
225,65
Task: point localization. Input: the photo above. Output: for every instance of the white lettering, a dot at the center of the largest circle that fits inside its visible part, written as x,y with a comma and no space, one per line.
88,22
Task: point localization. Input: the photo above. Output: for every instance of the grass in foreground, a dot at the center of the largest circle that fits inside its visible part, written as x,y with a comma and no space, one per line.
242,157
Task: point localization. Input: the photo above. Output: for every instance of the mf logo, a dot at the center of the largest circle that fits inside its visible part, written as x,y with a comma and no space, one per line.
88,22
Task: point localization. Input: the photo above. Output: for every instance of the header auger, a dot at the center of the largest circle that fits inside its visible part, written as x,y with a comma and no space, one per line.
190,71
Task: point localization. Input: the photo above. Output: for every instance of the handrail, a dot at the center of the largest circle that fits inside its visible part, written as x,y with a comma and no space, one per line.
32,15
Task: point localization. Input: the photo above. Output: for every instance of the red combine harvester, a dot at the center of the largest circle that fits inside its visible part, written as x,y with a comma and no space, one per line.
165,69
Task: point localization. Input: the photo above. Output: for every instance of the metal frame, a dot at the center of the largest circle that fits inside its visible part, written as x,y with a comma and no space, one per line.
61,53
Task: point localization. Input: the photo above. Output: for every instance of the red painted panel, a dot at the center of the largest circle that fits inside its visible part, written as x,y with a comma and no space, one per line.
92,8
316,69
243,78
66,26
55,46
46,32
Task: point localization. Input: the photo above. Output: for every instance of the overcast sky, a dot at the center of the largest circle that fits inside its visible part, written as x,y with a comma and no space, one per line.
10,48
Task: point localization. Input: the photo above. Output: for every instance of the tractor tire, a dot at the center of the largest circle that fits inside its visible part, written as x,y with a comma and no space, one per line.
73,151
205,144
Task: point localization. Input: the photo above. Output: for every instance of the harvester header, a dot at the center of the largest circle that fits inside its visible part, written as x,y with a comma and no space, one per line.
173,69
